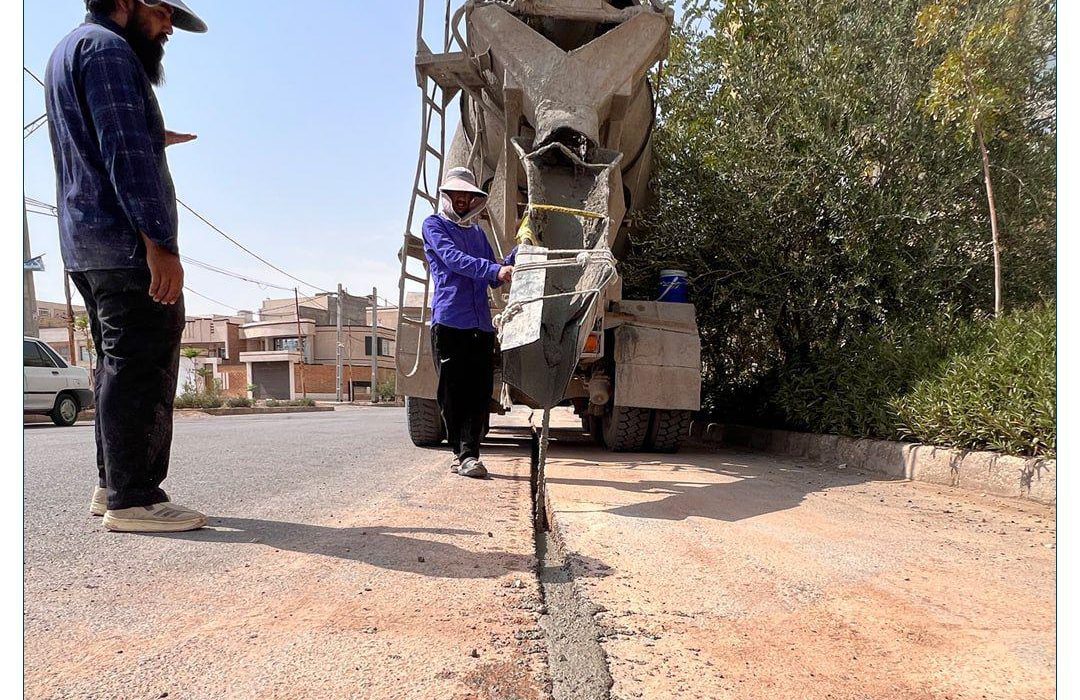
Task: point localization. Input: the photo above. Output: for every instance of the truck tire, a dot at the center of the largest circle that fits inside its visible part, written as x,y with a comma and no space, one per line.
626,428
425,424
66,411
668,430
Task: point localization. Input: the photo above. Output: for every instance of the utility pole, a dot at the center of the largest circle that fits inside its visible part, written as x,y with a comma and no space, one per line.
338,358
30,322
374,343
70,317
300,342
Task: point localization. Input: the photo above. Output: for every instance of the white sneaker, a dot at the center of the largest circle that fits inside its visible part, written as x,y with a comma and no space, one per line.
99,502
472,467
160,517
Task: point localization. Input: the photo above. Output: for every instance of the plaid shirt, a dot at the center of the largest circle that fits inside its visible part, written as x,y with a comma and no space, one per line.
108,142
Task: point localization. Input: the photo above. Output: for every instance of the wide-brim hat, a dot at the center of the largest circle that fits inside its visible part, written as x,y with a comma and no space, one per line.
183,17
461,180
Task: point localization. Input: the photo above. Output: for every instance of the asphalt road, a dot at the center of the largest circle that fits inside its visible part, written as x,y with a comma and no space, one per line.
341,562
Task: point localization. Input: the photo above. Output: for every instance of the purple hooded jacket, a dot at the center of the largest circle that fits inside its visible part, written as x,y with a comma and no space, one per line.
462,266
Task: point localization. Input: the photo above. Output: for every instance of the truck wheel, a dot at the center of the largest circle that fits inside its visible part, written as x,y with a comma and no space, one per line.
425,424
625,428
668,430
66,411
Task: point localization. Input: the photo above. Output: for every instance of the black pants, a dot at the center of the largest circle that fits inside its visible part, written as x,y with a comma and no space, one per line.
464,361
137,342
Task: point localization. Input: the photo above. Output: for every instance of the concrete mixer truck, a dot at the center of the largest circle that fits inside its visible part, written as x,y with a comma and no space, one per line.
556,116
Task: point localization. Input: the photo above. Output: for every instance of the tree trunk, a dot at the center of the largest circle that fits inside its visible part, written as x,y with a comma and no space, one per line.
993,221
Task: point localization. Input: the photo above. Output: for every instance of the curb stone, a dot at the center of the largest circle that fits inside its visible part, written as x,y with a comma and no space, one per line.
1032,478
259,410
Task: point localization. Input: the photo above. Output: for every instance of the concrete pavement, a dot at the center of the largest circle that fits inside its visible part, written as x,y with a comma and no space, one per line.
744,575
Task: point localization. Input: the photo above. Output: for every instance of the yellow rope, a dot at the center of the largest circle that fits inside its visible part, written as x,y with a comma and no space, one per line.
566,210
525,233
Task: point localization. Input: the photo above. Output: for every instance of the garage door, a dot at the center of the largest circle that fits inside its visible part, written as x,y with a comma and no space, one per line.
271,379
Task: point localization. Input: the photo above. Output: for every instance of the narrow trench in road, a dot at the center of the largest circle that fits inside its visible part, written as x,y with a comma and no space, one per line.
576,662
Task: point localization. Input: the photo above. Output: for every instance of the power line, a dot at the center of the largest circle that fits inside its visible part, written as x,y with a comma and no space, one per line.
241,246
50,210
31,74
33,126
230,308
228,273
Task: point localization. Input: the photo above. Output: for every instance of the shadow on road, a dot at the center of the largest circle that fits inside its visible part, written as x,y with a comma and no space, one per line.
385,547
731,485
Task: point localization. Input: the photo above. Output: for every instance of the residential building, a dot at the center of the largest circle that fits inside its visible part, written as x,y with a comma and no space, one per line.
287,357
275,355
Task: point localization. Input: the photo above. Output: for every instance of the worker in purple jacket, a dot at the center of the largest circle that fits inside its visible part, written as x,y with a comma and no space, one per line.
463,267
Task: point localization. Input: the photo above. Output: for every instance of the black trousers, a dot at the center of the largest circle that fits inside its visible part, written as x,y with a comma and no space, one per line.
137,342
465,362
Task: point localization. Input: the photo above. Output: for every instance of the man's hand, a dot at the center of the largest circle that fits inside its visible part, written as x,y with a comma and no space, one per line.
166,273
172,138
505,273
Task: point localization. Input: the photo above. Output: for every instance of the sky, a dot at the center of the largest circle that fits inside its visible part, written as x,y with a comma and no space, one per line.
308,118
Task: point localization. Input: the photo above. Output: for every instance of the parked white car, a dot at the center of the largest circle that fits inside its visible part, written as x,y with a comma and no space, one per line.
52,387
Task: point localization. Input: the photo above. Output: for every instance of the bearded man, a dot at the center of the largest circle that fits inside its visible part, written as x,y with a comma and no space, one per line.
118,238
463,267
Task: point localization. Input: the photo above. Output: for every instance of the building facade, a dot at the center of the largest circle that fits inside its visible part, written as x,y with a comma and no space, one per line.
273,356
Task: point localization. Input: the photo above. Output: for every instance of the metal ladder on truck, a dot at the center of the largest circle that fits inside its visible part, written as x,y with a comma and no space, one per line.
440,77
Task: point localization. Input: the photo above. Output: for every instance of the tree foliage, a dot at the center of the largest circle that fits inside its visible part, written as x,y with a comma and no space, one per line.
810,195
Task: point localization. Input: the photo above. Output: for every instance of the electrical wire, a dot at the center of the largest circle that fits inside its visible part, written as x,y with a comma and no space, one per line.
33,126
228,273
31,74
230,308
247,250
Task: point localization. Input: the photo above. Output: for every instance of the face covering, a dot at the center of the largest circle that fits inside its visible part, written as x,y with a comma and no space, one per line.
446,210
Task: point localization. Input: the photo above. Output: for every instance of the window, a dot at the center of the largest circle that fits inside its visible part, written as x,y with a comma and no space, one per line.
33,356
286,345
84,354
384,347
51,354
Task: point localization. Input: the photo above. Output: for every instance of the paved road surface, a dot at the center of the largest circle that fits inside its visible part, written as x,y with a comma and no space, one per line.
342,563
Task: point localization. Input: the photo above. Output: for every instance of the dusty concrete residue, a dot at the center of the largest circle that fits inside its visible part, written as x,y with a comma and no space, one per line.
576,661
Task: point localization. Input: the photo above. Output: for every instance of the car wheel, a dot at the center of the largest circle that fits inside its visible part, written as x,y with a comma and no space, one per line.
66,411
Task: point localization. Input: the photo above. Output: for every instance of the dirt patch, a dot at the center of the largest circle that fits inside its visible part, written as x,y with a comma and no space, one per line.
741,575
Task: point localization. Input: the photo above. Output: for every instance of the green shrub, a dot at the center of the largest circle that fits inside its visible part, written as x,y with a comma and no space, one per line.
302,402
238,402
191,398
272,403
847,390
999,394
976,385
387,391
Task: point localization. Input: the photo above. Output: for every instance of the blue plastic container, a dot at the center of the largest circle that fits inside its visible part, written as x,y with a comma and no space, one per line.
674,287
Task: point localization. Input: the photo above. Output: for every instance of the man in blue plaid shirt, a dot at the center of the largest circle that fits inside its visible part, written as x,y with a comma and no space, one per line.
118,237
